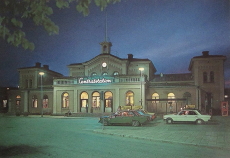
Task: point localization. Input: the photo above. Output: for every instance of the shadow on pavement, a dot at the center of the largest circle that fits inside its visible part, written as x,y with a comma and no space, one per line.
17,150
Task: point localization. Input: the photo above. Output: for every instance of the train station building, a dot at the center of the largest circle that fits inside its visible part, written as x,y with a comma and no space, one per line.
105,82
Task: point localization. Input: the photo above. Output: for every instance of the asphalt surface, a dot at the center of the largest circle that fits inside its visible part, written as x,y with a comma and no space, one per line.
214,134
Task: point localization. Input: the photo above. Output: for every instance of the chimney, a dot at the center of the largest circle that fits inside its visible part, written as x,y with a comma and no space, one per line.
130,56
37,64
46,67
205,53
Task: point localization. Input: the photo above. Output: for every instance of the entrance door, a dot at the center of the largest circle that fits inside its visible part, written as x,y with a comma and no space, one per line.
108,102
84,102
208,101
84,105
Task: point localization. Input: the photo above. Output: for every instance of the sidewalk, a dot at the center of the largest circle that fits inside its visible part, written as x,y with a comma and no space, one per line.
215,134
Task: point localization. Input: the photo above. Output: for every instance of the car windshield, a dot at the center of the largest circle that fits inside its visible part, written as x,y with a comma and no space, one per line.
140,112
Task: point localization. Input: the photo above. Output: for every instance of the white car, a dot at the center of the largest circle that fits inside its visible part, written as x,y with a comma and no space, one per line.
187,115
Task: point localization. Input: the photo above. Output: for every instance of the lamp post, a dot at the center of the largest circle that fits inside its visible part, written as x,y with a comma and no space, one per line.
41,74
141,69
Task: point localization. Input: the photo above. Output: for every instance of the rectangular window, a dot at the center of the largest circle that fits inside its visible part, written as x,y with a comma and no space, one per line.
18,102
34,103
107,103
4,103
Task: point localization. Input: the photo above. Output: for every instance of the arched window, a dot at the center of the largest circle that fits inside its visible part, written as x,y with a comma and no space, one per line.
34,101
129,98
115,73
171,96
211,76
65,100
18,100
96,99
104,74
84,99
155,96
45,101
108,99
18,97
205,77
94,74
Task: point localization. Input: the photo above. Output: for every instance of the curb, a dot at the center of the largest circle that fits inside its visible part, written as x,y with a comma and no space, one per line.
164,141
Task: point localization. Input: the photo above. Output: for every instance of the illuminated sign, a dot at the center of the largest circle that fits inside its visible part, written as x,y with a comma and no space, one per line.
85,81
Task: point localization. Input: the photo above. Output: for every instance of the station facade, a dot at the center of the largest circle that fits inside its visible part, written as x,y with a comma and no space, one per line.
105,82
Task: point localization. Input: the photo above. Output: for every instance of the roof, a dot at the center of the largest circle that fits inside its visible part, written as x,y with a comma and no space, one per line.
205,56
38,66
173,77
101,55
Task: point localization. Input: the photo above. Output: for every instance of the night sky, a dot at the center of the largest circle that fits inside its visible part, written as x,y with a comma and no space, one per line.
168,32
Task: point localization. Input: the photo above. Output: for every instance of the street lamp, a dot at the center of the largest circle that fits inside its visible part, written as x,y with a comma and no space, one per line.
141,69
41,74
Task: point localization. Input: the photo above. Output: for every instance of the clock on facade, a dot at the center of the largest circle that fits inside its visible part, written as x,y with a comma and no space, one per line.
104,64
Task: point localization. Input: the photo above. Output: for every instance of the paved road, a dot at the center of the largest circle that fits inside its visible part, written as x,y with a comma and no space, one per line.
215,134
34,136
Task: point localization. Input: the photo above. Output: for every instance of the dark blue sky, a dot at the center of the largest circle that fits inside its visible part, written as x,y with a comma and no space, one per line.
168,32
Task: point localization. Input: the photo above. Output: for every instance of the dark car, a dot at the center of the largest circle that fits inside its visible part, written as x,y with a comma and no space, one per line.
125,117
151,116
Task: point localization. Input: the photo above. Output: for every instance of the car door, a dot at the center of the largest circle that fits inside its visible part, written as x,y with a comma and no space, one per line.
192,116
123,118
181,116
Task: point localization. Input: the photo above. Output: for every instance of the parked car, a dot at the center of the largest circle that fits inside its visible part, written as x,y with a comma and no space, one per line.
125,117
152,116
187,115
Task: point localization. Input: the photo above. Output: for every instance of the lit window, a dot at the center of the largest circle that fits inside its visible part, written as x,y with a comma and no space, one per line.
34,101
155,96
108,99
4,103
18,97
65,100
104,74
129,98
45,101
94,74
115,73
18,100
96,99
171,96
84,99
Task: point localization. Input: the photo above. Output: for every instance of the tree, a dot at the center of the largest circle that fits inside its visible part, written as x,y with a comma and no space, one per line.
13,14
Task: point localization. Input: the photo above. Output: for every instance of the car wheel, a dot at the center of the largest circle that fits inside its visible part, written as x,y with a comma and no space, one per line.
169,121
199,121
135,123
